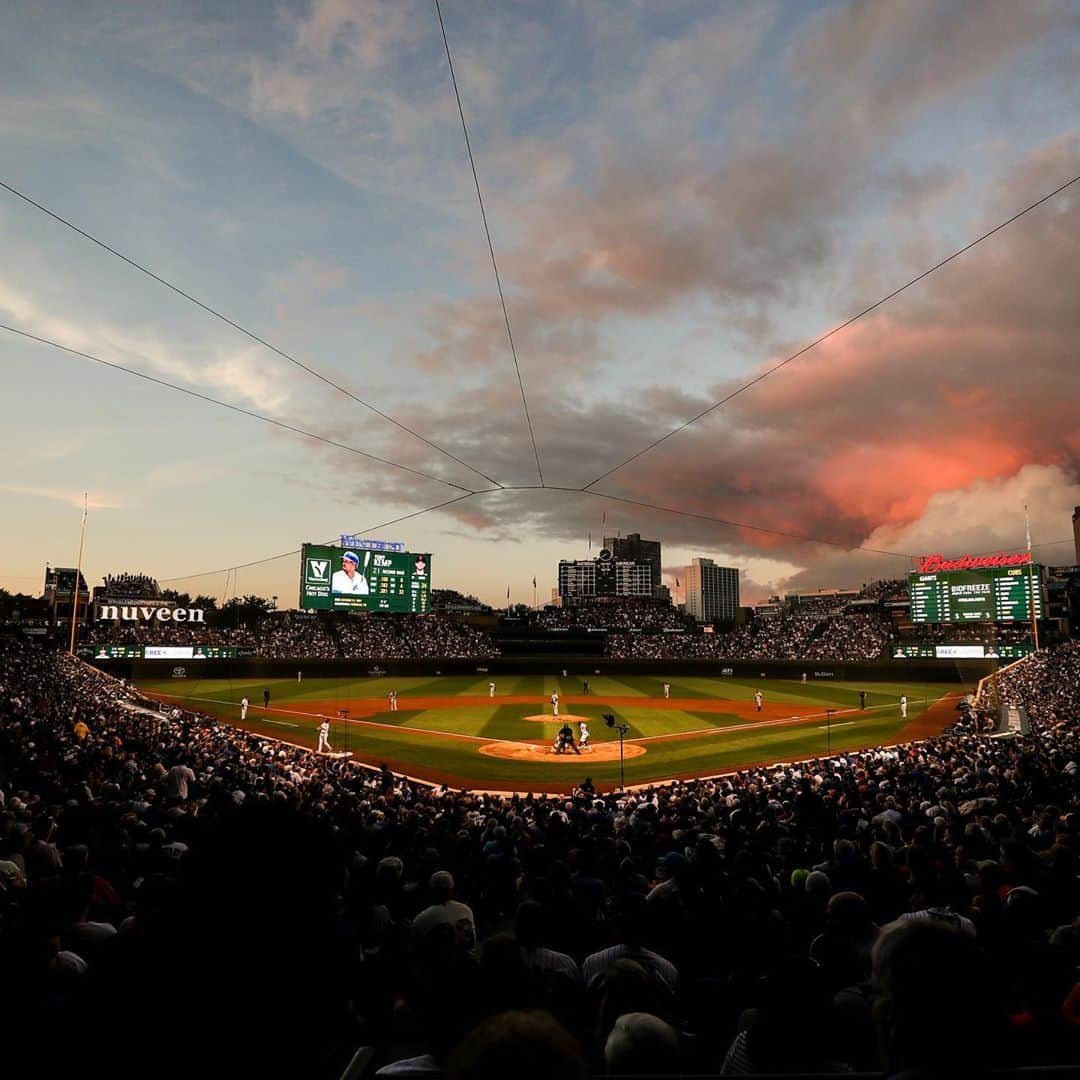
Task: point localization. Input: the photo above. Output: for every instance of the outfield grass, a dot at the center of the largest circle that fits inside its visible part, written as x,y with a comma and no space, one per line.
415,739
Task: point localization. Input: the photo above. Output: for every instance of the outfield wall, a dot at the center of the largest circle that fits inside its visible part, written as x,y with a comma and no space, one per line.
967,672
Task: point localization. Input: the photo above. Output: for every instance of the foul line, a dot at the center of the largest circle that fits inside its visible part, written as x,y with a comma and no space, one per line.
789,721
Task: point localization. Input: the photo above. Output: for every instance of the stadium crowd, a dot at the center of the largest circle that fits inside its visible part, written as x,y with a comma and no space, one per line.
310,635
814,633
131,586
627,614
177,895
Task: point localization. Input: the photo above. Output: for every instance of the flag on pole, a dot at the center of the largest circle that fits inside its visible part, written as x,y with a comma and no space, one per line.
676,583
507,592
1027,528
534,582
590,541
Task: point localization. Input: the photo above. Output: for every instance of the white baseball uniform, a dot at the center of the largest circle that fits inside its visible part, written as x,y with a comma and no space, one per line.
342,583
903,706
324,737
583,740
243,708
555,704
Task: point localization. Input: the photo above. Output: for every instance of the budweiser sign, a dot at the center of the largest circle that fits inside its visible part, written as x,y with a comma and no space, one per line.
932,563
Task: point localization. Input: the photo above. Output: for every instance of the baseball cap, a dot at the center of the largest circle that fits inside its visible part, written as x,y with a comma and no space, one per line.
351,556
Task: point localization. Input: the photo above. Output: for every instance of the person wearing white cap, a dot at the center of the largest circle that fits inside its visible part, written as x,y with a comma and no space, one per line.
347,579
324,737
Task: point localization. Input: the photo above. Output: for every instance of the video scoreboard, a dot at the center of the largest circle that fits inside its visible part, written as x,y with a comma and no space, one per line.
992,595
359,579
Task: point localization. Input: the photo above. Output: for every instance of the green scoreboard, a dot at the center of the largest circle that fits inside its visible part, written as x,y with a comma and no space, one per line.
357,579
992,595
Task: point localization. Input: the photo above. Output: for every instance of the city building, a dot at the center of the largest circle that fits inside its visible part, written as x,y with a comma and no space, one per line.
712,592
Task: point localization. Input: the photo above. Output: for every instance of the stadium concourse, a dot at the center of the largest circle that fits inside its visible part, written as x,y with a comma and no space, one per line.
175,893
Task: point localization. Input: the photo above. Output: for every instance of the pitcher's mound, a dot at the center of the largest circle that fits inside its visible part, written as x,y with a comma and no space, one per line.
524,751
562,718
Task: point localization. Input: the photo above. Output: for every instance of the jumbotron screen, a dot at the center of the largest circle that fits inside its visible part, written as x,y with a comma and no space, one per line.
347,579
992,595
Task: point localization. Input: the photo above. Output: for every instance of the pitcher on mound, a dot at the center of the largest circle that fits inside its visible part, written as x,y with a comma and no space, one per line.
555,703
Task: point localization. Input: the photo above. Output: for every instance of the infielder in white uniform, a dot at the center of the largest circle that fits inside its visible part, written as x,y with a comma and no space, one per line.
324,737
555,703
583,740
491,689
348,579
903,706
667,690
759,697
243,708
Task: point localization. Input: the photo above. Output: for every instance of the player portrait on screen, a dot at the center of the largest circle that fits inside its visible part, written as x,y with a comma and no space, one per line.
350,578
420,568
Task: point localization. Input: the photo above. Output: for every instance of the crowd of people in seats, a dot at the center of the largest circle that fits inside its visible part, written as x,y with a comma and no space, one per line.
992,633
800,633
885,591
411,637
177,895
310,635
625,614
857,634
131,586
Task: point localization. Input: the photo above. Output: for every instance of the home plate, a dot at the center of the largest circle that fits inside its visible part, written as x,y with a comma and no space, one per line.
542,752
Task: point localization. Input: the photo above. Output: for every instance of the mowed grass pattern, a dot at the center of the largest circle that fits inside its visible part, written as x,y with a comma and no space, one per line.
418,740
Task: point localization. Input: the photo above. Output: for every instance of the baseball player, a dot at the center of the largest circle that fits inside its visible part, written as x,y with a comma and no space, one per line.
348,579
804,676
393,700
903,706
491,689
583,738
759,697
324,737
555,703
667,690
862,699
244,707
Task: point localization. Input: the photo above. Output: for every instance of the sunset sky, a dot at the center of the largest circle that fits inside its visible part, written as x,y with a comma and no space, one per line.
680,195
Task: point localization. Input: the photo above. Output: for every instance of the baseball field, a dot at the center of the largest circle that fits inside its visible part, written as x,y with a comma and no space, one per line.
451,730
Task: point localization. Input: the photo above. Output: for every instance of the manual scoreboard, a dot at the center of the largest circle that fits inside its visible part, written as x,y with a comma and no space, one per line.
993,595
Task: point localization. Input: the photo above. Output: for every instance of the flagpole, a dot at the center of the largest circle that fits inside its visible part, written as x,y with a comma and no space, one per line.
1031,580
78,576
